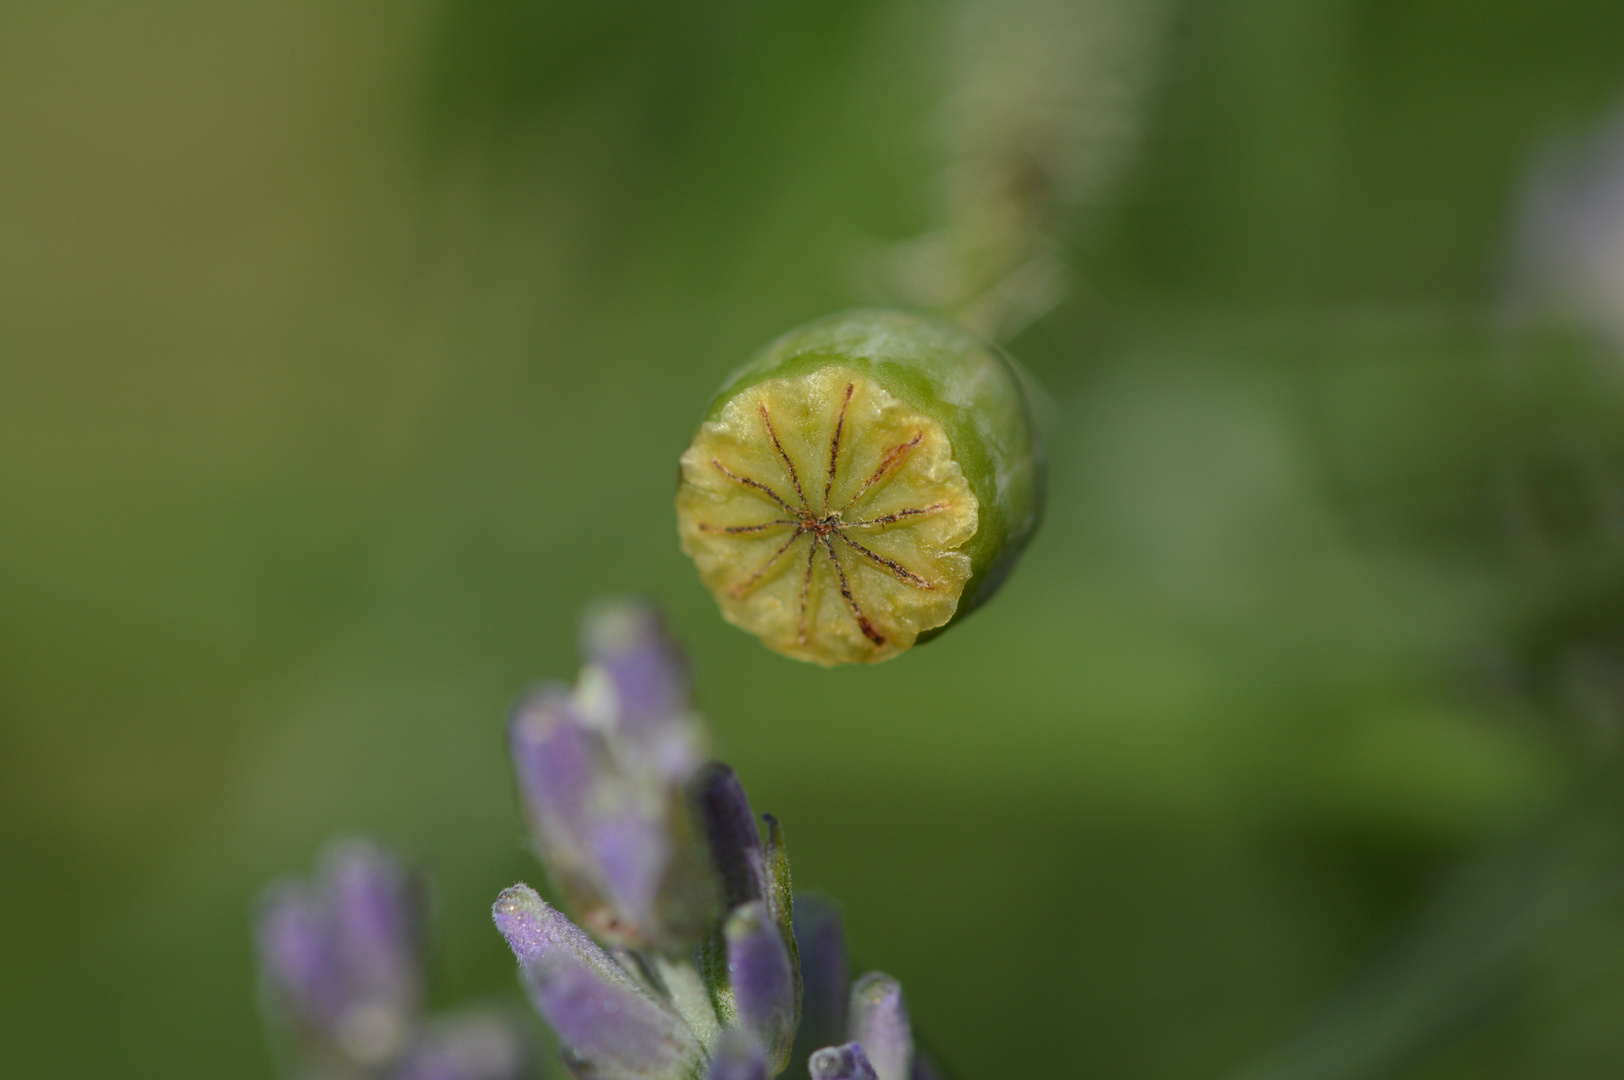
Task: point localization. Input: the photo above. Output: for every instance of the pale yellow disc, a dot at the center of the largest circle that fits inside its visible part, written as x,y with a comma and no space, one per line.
827,517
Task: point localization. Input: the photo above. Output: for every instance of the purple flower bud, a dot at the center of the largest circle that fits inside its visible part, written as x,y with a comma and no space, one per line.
762,977
730,828
556,765
342,958
377,924
610,1027
879,1020
647,673
825,978
476,1046
297,958
846,1062
737,1056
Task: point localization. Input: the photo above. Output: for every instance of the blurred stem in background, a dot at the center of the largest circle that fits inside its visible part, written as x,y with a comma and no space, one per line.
1043,109
1520,934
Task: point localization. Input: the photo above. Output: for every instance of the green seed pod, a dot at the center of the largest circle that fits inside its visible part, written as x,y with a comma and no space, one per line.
859,485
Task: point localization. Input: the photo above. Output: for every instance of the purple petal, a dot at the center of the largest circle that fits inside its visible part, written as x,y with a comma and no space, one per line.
879,1020
846,1062
730,829
607,1023
762,976
825,977
737,1056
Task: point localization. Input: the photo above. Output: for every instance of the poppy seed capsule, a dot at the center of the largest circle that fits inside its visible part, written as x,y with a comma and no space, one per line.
865,481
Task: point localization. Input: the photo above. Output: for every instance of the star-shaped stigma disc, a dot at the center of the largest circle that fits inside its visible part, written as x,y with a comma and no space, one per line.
827,517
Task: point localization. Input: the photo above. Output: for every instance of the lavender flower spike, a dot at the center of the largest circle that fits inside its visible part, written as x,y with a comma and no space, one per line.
841,1063
604,771
762,977
737,1056
698,961
879,1020
610,1027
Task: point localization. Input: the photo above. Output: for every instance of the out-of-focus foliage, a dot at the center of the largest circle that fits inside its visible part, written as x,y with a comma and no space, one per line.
347,348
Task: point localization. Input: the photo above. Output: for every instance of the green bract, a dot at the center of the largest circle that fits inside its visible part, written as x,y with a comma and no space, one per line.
865,481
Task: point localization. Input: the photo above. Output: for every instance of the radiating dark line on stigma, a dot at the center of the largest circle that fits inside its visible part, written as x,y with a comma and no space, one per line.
743,587
736,529
794,477
892,457
834,447
889,519
806,590
903,574
851,601
757,484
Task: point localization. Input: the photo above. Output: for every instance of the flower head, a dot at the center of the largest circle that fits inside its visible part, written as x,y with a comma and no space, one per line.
697,961
341,955
603,769
342,962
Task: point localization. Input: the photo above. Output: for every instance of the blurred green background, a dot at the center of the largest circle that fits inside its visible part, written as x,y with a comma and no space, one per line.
347,348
